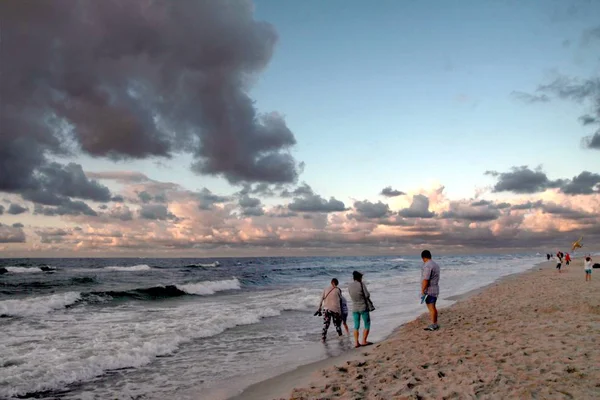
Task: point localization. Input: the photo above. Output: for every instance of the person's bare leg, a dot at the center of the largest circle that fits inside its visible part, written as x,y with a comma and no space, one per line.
346,328
365,336
356,344
432,313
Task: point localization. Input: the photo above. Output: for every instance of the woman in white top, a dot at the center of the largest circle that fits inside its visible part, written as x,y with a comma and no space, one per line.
587,266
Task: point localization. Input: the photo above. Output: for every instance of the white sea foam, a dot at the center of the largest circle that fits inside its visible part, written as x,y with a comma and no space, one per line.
210,287
24,270
83,344
37,305
213,264
134,268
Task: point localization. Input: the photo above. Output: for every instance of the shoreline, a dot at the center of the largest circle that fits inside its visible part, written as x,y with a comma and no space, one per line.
282,385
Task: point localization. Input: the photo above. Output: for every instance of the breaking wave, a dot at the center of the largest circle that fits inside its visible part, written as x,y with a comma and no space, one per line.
134,268
37,305
205,288
26,270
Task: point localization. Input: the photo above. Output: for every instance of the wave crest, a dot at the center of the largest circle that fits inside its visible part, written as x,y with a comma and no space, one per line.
37,305
133,268
210,287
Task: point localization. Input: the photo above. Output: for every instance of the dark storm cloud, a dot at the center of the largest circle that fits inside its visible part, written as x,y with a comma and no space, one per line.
587,120
372,210
528,206
389,192
261,189
118,199
584,183
315,203
281,212
11,234
251,206
145,197
585,91
522,180
120,176
469,212
1,209
120,212
66,207
502,206
565,212
419,208
137,79
156,212
593,141
160,198
17,225
481,203
52,235
103,207
208,199
16,209
530,98
302,190
54,183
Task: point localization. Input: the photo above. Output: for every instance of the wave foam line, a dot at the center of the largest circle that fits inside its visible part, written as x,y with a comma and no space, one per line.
210,287
27,270
37,305
134,268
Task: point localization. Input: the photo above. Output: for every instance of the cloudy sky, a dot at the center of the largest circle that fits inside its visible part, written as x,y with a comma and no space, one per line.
231,128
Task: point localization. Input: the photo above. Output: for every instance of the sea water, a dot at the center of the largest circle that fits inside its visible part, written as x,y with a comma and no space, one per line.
194,328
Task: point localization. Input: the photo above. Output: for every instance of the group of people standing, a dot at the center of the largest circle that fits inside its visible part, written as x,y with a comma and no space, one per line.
587,263
334,307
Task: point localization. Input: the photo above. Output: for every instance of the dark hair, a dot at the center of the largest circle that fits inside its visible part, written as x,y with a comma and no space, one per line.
357,276
588,258
426,254
335,281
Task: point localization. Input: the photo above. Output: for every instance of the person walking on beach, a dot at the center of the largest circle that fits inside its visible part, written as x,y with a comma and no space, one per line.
567,259
361,307
430,290
331,304
587,266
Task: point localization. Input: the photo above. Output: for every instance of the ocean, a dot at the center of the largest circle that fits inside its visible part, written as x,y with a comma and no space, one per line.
195,328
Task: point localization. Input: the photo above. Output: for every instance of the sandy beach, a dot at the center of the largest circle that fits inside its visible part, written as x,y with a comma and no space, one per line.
534,335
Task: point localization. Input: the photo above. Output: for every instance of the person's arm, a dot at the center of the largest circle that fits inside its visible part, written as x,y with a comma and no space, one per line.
425,281
367,294
321,301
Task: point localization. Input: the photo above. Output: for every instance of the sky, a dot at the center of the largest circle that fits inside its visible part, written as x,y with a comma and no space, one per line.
232,128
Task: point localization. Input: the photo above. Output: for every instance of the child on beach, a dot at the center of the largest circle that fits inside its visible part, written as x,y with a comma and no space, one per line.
344,305
559,265
587,266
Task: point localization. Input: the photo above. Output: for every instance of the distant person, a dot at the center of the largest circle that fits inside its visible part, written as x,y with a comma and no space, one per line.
559,255
344,306
587,266
559,265
548,256
567,259
361,306
331,306
430,290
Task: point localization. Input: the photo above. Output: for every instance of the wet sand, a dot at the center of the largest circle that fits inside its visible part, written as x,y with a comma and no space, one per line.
534,335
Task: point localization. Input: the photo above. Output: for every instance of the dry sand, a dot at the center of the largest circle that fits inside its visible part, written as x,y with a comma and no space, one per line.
534,335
